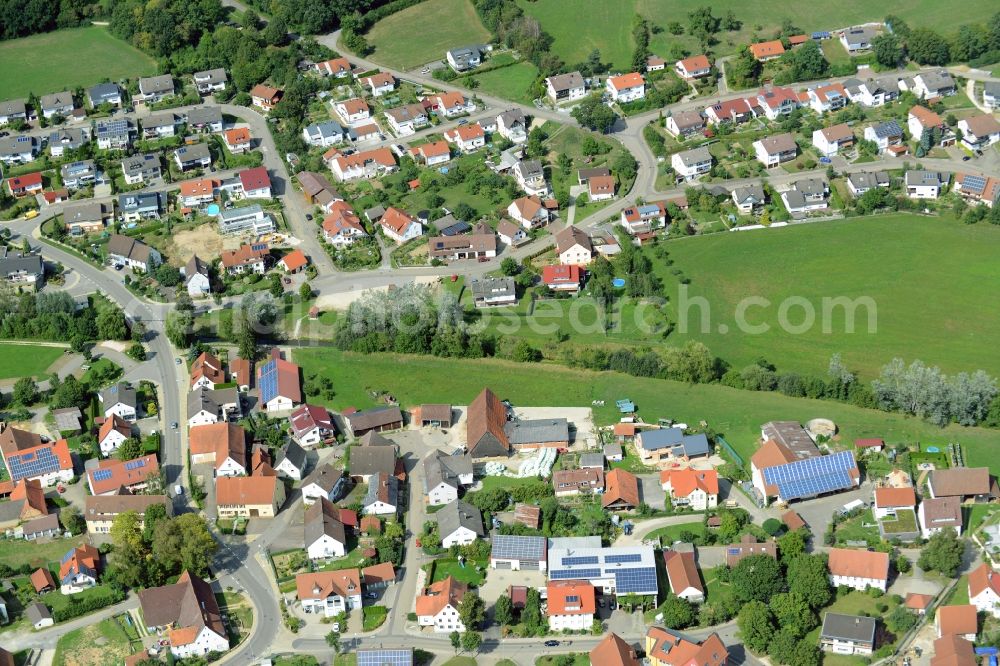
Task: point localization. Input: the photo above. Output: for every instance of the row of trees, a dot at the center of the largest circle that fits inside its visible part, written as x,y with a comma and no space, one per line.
53,316
970,43
929,393
19,18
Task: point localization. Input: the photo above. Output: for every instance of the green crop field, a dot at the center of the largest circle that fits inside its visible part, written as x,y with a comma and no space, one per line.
734,413
65,59
929,279
607,25
422,33
26,360
509,82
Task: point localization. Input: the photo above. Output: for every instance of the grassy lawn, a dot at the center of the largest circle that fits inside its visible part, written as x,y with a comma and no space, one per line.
445,567
854,529
607,24
101,644
630,462
973,516
917,315
579,659
15,552
26,360
672,533
374,616
74,57
440,24
460,661
735,414
960,595
509,82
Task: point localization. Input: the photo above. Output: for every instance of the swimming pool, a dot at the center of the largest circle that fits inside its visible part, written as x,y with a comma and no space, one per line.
932,449
213,209
618,282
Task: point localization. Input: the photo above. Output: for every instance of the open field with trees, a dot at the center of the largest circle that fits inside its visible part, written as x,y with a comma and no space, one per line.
423,33
608,25
68,59
736,414
899,261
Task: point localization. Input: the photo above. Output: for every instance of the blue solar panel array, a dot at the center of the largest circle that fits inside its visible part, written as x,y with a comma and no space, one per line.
974,183
622,559
135,464
102,475
32,464
401,657
812,476
638,581
268,381
575,574
589,559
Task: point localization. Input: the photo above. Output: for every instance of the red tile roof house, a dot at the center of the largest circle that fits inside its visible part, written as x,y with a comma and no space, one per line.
78,569
342,226
379,84
733,110
29,183
984,589
294,261
434,152
961,620
206,372
859,569
528,212
188,613
621,491
666,647
682,572
246,259
602,188
614,651
437,606
764,51
265,97
399,225
918,603
255,183
571,605
562,278
889,500
694,67
111,475
626,88
698,489
870,444
237,140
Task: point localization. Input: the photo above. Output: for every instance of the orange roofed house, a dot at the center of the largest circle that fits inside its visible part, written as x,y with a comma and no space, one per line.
188,613
437,606
682,574
626,88
248,496
666,647
960,620
26,502
264,97
26,456
694,67
621,491
696,488
329,592
198,192
237,140
78,569
614,651
207,371
365,164
858,569
571,605
764,51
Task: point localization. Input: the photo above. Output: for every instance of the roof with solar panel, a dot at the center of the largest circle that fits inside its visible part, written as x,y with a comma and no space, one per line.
509,547
630,570
113,474
811,477
38,461
382,657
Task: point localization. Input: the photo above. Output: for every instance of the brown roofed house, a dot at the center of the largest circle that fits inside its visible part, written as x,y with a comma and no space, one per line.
966,483
485,435
682,572
42,580
961,620
748,546
614,651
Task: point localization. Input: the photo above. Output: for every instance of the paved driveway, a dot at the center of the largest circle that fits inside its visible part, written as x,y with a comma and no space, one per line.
651,492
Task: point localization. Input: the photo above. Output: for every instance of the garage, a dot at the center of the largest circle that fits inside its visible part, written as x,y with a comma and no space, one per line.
502,564
518,552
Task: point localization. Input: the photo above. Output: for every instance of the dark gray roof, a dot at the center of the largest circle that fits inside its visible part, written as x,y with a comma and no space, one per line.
15,145
327,128
323,517
109,127
511,116
529,168
992,88
156,84
211,401
36,611
918,178
103,91
118,393
753,193
612,449
849,627
13,107
15,263
58,99
211,76
165,119
136,164
70,138
130,248
537,430
449,226
489,287
868,179
937,80
441,468
375,491
459,514
84,212
294,453
810,186
197,152
568,81
368,460
592,460
194,267
695,156
674,438
204,115
373,438
138,201
888,128
529,548
326,477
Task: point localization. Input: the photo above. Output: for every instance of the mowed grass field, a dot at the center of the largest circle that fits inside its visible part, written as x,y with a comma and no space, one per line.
26,360
734,413
509,82
930,280
65,59
422,33
580,26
